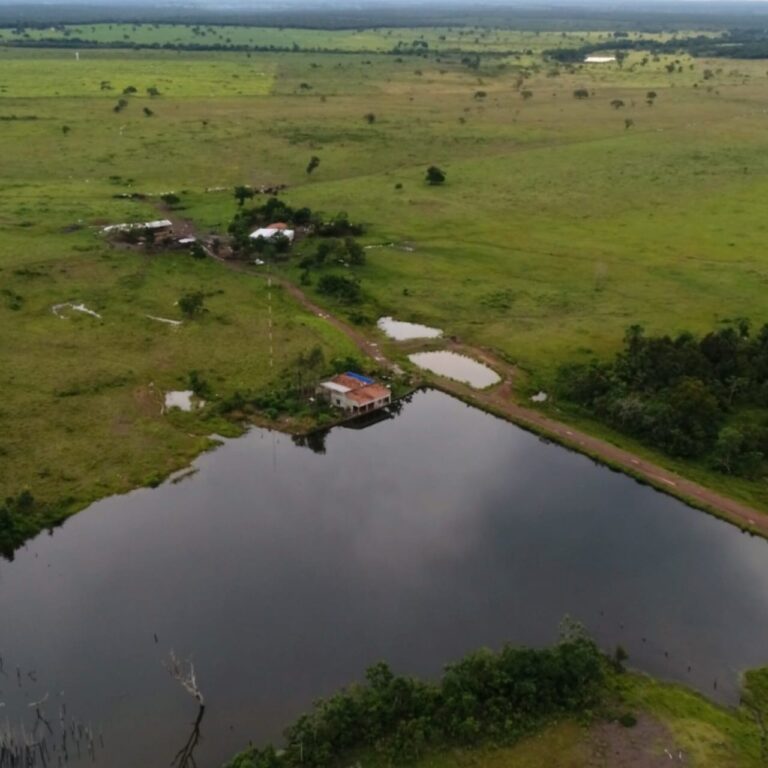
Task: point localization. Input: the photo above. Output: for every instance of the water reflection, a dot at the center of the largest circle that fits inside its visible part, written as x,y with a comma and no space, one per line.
402,331
284,573
458,367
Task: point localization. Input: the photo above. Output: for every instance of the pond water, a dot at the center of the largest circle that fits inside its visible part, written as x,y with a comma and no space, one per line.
285,571
181,399
457,367
402,331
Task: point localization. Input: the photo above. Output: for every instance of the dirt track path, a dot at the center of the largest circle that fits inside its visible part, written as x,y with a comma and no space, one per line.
500,400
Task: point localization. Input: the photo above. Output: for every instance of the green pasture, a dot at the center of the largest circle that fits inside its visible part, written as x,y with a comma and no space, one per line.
379,40
103,74
557,228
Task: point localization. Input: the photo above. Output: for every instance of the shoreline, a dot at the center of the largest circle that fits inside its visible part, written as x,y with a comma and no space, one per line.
617,459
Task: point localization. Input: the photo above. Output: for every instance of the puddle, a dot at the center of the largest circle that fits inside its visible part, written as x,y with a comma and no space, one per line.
457,367
400,330
56,309
182,399
164,320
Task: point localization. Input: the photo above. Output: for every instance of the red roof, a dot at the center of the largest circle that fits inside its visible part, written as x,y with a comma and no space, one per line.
368,393
348,381
278,225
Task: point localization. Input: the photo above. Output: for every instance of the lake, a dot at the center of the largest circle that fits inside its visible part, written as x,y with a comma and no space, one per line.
284,572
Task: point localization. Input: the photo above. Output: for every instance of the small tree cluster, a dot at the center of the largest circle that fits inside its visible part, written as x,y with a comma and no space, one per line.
485,696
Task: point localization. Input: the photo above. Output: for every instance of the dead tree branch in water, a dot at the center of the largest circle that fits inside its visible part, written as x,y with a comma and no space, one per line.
183,670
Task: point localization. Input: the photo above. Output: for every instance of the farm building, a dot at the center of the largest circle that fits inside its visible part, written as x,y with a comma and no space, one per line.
161,226
160,229
354,393
267,233
599,59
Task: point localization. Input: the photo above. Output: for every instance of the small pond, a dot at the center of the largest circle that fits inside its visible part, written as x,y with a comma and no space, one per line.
402,331
181,399
458,367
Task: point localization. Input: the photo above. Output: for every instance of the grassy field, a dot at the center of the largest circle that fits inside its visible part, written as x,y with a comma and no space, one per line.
379,40
558,225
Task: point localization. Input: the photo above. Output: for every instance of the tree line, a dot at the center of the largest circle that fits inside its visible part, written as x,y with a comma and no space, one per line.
702,397
733,44
485,697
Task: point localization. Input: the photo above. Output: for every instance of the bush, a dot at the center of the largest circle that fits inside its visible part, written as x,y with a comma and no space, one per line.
435,175
340,287
192,304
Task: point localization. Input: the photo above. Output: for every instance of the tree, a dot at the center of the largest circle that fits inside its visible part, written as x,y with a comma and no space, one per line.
153,91
148,112
628,123
243,193
65,129
581,93
370,118
314,161
526,95
355,251
435,175
129,90
341,287
192,304
302,217
617,103
736,453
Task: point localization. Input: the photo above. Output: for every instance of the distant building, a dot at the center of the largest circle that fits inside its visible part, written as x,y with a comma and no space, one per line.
160,228
267,233
355,393
599,59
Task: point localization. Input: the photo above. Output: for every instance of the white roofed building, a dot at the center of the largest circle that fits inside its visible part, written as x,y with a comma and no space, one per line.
267,233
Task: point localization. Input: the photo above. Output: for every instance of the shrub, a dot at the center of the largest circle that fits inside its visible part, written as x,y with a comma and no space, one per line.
435,175
192,304
342,288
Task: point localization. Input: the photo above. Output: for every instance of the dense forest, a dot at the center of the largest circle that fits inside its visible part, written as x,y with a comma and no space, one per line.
487,696
693,397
